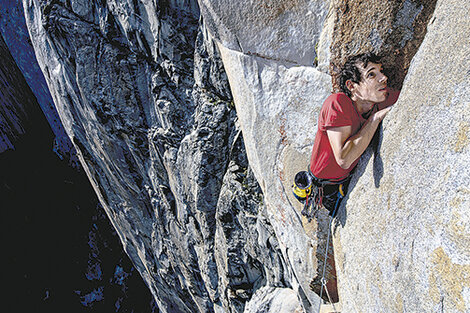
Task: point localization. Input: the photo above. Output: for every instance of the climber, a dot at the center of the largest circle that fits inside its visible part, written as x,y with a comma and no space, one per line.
346,124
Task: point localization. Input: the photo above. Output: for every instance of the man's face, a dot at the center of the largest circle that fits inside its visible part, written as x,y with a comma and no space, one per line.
373,85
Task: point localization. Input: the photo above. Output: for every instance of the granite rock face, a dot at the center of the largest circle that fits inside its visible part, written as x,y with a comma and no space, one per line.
404,241
143,94
278,100
260,28
277,124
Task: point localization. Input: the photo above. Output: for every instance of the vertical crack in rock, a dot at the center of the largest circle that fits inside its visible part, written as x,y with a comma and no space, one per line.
393,30
394,234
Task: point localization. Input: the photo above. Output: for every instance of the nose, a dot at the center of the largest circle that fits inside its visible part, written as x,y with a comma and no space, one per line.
383,78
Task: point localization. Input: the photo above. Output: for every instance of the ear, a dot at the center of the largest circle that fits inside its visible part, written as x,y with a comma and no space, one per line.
349,85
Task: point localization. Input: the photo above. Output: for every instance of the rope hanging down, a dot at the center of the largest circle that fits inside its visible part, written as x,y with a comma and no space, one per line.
323,281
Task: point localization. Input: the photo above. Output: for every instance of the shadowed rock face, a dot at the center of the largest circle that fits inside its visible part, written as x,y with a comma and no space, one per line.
62,253
14,31
144,97
18,109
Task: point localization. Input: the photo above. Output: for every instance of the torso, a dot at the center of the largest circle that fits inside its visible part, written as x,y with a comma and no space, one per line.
338,110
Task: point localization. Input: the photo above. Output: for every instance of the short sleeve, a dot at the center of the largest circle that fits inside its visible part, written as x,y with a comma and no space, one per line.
336,111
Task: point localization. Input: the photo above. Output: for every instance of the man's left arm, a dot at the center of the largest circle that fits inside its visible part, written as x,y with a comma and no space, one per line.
347,148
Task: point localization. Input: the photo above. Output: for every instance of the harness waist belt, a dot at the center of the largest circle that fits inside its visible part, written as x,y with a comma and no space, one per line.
323,181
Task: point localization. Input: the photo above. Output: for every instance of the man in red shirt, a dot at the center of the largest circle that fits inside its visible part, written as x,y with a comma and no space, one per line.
347,122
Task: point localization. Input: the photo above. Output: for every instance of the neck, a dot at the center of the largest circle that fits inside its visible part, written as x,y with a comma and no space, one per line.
362,107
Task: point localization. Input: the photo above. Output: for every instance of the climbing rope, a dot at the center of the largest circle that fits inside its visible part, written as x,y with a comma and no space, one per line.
323,280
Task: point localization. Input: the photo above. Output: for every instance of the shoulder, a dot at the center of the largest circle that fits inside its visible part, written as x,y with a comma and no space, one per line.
339,97
336,111
338,102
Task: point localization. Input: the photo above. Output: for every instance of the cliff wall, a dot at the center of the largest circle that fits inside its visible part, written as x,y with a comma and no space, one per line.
405,231
142,91
142,94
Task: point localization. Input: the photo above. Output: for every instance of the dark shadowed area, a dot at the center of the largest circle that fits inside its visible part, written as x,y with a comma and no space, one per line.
62,255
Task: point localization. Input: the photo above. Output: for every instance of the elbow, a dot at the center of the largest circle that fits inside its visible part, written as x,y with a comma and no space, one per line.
343,163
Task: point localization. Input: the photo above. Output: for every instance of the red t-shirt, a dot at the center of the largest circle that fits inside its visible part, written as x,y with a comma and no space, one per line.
338,110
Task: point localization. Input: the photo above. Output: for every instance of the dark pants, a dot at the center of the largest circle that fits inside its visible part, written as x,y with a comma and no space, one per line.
331,197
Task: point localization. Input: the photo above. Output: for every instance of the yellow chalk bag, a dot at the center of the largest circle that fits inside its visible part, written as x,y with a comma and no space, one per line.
302,186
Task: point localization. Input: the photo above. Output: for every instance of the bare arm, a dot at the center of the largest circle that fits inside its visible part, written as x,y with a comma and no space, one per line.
347,148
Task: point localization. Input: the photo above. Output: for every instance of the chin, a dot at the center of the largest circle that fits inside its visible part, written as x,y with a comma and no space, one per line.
382,98
385,95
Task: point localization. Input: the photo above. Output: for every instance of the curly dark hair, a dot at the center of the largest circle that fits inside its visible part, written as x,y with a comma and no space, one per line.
350,70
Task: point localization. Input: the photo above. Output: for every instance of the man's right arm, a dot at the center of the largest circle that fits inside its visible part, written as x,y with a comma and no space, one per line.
348,147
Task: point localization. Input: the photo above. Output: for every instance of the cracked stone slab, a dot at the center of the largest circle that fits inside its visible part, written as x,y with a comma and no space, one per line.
275,29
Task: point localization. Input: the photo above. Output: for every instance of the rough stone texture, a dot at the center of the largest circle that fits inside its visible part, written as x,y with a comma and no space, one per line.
278,125
277,105
403,242
393,29
143,95
273,300
274,29
242,234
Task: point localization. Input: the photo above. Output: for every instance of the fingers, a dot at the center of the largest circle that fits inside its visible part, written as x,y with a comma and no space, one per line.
386,110
380,115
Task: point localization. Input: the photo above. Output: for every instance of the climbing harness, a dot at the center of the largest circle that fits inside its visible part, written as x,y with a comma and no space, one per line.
310,191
